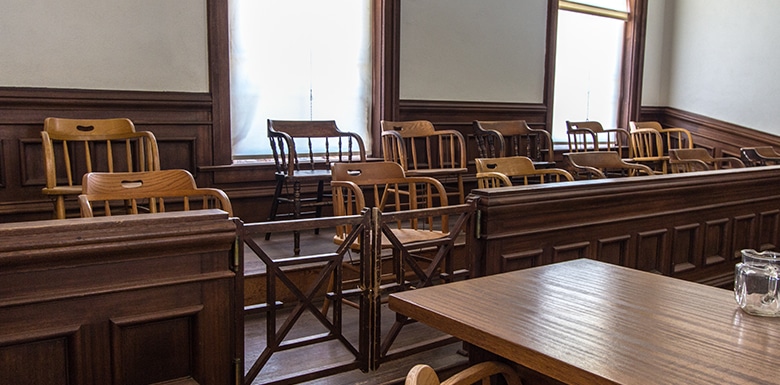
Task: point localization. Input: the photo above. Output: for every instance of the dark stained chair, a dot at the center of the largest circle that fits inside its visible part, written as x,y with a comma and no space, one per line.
303,152
513,138
759,156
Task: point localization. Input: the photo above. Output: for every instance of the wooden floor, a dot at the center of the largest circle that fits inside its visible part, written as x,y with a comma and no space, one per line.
445,359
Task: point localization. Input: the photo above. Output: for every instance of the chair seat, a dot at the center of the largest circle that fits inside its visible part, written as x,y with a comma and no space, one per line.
304,175
437,172
405,236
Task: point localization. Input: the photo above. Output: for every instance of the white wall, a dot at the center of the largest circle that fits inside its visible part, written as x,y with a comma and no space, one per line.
721,61
467,50
149,45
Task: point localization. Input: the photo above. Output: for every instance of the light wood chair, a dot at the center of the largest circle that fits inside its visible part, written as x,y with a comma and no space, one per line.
498,172
303,152
357,186
759,156
673,137
591,136
74,147
699,159
647,148
506,138
422,374
157,191
603,164
421,150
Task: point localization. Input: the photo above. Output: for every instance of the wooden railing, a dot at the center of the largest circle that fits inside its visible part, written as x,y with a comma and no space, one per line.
121,300
691,226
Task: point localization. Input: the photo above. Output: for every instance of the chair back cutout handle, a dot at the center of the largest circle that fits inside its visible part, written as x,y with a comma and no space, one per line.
85,128
132,183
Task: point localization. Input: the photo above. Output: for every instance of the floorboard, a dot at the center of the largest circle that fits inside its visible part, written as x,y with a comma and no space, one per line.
283,364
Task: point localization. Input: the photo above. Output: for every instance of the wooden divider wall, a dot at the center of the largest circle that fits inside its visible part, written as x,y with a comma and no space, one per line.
691,226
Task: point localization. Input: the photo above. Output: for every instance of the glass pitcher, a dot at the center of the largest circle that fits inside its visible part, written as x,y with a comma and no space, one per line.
755,283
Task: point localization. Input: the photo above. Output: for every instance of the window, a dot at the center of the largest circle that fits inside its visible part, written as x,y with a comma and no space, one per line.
589,62
298,60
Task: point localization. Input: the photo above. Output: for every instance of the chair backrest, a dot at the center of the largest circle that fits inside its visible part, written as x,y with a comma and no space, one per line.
422,374
646,144
498,172
156,191
512,138
384,185
689,160
601,164
74,147
672,138
759,156
693,156
416,145
591,136
312,144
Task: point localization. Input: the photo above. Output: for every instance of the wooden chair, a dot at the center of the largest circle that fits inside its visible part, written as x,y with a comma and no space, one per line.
498,172
303,152
160,191
424,151
699,159
513,138
422,374
357,186
74,147
759,156
591,136
673,137
603,164
647,148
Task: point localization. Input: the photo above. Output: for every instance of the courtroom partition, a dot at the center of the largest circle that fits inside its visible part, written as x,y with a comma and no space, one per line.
121,300
690,226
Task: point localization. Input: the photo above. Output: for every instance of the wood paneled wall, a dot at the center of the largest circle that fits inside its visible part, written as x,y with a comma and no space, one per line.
689,226
135,300
188,135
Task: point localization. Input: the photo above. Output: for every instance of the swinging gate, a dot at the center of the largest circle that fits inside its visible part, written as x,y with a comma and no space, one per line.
373,345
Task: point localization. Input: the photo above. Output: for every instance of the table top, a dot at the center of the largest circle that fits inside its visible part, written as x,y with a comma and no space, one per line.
589,322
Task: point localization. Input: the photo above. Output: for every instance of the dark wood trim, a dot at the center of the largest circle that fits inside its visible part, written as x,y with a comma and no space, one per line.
549,62
219,80
633,62
722,138
690,226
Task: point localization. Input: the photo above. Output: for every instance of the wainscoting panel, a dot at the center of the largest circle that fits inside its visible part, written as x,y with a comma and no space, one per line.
689,226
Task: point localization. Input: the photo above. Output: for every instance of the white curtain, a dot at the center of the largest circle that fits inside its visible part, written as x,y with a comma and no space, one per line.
298,60
587,71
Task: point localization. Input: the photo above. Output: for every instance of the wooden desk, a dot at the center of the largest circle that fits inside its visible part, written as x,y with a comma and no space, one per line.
588,322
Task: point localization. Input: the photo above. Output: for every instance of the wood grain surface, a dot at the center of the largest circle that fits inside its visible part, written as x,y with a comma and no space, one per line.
589,322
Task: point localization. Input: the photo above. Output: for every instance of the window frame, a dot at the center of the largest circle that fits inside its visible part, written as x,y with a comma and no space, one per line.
385,93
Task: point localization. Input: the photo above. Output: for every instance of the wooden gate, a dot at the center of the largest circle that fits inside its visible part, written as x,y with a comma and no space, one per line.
373,346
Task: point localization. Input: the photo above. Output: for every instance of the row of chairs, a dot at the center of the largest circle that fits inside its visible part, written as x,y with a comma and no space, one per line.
107,161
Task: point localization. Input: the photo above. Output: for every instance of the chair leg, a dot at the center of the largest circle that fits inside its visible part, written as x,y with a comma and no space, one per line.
59,207
297,215
275,204
320,195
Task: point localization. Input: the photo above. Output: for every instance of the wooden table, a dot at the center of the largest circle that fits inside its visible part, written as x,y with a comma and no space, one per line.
588,322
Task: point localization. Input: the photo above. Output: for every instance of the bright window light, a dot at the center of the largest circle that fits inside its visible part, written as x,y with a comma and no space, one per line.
587,71
298,60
